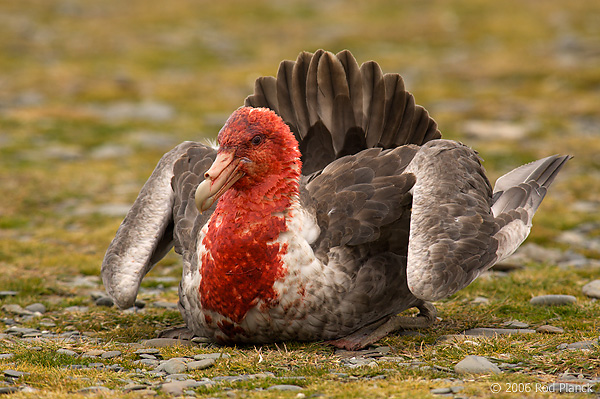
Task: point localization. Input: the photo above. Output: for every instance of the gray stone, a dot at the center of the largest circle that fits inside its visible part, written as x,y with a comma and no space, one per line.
579,345
440,391
202,356
93,353
492,332
111,354
172,366
93,389
36,307
177,377
105,301
14,373
16,309
8,293
547,329
515,324
480,301
8,390
476,365
147,362
165,342
148,351
20,331
66,352
4,356
553,300
176,387
285,387
47,323
592,289
201,364
134,387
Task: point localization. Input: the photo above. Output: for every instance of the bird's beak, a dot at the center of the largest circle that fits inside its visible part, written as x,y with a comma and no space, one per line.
223,173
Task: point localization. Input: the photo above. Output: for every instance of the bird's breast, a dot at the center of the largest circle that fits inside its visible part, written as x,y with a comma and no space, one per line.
255,277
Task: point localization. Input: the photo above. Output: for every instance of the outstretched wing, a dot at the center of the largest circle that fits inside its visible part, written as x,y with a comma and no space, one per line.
146,234
458,228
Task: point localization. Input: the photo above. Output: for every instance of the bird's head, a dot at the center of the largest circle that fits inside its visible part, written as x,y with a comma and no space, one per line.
256,148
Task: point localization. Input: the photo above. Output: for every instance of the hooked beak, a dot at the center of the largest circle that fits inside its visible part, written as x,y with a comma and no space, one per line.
223,173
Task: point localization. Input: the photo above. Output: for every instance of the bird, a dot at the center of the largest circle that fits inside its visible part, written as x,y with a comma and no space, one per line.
330,205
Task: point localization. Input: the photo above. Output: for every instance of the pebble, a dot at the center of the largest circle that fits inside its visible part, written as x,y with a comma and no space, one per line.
95,388
134,387
547,329
93,353
553,300
111,354
14,373
440,391
165,342
515,324
201,364
172,366
220,355
579,345
176,387
148,351
20,331
36,308
592,289
480,301
105,301
16,309
491,332
6,356
476,365
66,352
8,390
8,293
285,387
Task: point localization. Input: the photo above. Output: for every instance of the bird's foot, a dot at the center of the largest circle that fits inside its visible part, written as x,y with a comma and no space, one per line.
374,332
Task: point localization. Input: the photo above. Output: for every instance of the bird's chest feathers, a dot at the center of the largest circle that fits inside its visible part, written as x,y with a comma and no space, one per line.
242,259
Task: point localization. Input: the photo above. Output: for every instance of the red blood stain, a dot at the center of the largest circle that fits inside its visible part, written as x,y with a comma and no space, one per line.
243,260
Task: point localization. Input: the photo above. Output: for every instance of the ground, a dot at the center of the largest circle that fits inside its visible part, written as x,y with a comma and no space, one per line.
92,94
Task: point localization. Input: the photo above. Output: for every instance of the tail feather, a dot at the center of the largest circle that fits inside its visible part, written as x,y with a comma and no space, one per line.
526,186
327,98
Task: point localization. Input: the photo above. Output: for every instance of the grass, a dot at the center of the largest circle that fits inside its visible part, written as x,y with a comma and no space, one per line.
64,63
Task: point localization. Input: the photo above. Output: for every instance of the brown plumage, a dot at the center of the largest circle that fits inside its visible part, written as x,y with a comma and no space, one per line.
383,217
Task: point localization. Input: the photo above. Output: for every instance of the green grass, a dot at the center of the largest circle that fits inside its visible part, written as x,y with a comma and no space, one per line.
532,63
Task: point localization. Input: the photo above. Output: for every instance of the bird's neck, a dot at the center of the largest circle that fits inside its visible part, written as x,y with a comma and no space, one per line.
243,258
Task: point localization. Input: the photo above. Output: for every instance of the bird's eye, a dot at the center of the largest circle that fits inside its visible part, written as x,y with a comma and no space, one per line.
256,140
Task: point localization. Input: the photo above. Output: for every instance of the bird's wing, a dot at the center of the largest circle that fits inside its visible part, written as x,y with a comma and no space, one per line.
146,233
458,228
517,195
188,173
451,228
336,108
354,197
